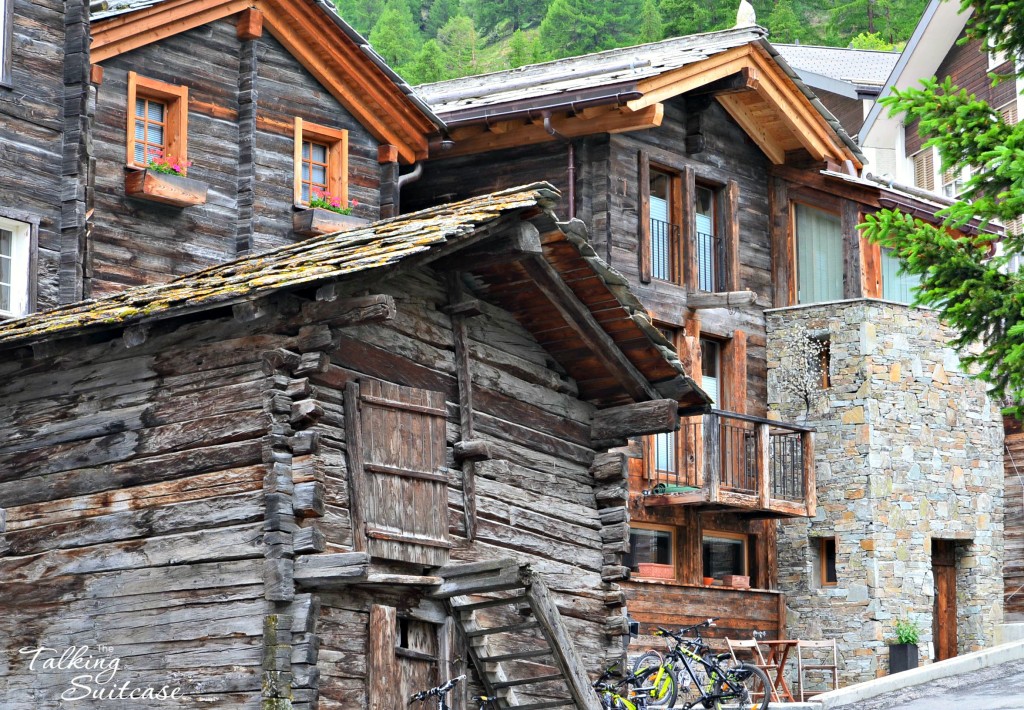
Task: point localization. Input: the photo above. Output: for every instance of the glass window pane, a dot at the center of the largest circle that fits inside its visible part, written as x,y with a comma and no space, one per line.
5,298
819,248
319,152
305,150
140,153
140,107
6,242
319,174
661,240
140,130
723,555
5,270
155,134
305,192
650,546
305,172
897,286
665,451
155,111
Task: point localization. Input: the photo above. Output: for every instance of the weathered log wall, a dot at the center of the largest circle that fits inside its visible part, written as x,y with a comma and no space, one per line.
33,122
132,484
243,99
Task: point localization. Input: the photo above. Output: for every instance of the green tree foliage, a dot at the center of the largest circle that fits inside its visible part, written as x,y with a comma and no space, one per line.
511,15
893,20
361,14
569,28
651,27
687,17
970,288
871,40
428,66
394,36
522,50
458,41
439,13
784,26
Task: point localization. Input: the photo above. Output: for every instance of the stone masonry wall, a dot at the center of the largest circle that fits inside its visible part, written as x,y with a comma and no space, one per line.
908,449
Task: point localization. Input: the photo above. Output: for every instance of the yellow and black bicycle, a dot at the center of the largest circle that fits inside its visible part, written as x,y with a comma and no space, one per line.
699,677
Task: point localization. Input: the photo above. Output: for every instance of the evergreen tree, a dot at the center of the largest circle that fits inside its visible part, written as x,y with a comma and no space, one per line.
522,50
570,28
394,36
361,14
651,26
783,24
871,40
972,290
458,41
428,66
687,17
440,12
519,14
893,20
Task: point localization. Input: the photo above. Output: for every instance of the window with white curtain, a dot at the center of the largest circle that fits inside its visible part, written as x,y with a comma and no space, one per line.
707,239
897,286
710,365
819,251
662,229
14,267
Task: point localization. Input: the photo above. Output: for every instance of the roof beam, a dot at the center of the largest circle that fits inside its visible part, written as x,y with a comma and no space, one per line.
581,320
757,130
478,138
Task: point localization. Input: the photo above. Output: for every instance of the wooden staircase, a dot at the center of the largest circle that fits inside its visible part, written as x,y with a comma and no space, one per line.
514,636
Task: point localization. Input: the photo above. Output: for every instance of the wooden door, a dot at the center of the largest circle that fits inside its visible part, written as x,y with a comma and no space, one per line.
944,616
398,472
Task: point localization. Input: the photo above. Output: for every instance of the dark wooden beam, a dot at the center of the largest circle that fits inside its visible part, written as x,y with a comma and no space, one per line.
726,299
348,311
520,241
456,298
579,318
650,417
740,81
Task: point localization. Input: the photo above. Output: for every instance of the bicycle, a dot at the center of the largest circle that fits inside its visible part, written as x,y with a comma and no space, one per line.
440,691
710,680
611,691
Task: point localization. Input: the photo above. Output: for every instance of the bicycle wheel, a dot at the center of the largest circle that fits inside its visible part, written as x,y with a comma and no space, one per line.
657,681
745,687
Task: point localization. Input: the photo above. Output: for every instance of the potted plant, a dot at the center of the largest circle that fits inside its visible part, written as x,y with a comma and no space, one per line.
326,214
903,649
163,180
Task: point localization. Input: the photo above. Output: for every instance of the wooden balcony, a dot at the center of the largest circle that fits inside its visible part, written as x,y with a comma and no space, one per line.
726,460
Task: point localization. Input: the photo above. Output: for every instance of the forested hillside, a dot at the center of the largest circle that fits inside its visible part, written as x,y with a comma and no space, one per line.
430,40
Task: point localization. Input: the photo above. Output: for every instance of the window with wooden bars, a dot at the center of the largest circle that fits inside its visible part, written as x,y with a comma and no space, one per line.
321,162
157,122
924,169
6,40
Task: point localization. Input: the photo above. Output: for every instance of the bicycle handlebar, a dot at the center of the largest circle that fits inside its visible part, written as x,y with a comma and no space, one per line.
439,690
678,634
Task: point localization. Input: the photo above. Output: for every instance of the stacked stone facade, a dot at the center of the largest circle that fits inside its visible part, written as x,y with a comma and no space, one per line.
908,450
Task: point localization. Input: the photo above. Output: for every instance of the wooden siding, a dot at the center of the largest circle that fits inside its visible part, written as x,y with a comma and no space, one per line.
967,65
1013,522
243,100
32,125
133,488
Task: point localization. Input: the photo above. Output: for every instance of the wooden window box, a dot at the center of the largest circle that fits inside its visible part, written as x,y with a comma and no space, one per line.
736,581
650,570
315,221
165,188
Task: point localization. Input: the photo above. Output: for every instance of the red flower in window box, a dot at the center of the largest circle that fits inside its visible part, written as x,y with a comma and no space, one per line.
327,201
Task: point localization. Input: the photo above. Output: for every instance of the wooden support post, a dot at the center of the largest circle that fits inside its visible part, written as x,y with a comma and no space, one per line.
356,475
852,277
761,461
382,668
456,294
735,371
250,24
643,214
783,260
687,268
712,449
731,248
810,490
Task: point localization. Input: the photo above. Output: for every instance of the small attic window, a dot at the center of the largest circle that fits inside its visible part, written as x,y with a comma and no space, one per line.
157,121
321,162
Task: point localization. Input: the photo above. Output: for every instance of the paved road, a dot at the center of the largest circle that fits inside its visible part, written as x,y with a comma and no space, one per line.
996,688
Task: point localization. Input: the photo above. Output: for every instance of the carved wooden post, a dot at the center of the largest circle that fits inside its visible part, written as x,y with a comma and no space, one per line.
810,484
762,460
712,455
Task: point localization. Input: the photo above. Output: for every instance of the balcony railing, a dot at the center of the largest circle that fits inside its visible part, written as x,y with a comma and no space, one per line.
724,459
664,238
707,248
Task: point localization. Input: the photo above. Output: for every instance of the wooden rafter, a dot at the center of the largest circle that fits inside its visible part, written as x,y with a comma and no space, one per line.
507,134
317,43
790,108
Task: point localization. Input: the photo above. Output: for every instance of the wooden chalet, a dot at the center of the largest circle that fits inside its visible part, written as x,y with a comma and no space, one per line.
336,472
262,104
697,162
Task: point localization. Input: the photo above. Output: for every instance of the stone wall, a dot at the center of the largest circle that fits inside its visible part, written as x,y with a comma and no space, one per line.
908,449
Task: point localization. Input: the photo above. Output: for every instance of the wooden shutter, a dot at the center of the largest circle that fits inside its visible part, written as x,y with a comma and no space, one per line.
399,478
924,170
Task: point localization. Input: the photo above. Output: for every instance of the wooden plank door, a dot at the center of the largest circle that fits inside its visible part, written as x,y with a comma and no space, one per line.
399,474
944,616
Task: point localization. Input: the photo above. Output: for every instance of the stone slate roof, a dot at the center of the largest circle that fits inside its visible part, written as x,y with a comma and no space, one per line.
375,247
623,66
860,67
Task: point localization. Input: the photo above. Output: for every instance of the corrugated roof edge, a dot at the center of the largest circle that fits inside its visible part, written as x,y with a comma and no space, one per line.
815,101
102,9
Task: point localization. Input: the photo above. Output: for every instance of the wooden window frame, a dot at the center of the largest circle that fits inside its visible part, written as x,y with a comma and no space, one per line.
28,227
723,534
823,560
676,218
175,98
672,549
6,42
336,140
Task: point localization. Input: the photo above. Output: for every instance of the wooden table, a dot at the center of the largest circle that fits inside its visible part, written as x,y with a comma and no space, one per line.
778,655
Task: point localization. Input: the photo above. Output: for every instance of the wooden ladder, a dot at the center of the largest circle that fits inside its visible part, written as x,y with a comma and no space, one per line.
477,593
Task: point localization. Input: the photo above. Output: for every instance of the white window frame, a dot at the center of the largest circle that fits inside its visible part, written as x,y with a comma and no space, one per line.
995,59
6,40
21,267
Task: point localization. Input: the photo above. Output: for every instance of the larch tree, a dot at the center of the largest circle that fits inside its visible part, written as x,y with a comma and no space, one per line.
394,36
962,275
